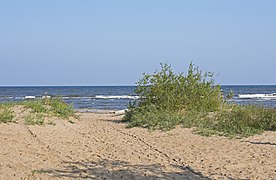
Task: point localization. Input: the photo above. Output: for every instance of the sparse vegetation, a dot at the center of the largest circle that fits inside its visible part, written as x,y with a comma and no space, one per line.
193,100
39,109
60,108
6,114
34,119
37,106
55,107
233,121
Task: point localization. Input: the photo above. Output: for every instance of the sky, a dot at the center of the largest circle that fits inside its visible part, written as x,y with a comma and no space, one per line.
106,42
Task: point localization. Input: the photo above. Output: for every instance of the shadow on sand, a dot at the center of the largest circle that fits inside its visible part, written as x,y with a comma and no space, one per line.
109,169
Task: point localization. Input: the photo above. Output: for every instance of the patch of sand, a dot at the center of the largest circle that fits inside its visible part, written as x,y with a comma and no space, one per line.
99,146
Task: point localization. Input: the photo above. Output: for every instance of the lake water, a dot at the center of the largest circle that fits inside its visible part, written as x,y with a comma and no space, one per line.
118,97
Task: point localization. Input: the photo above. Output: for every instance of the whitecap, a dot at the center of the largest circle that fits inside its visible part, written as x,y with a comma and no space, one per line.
29,97
254,96
116,97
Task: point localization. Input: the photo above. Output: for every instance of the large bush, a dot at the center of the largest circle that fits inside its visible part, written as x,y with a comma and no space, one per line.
193,100
169,92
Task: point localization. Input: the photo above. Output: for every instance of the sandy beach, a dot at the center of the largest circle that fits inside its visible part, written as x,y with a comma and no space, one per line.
98,146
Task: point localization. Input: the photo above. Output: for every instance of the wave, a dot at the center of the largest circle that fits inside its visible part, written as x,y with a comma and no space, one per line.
92,97
75,97
103,97
6,97
116,97
257,96
29,97
240,96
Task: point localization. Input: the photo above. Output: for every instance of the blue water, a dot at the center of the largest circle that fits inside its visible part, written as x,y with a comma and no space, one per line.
252,89
118,97
79,96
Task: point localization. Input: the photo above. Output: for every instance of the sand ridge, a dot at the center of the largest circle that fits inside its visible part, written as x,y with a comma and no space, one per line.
99,146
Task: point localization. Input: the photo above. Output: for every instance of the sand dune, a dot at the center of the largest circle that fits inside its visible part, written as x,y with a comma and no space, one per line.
99,146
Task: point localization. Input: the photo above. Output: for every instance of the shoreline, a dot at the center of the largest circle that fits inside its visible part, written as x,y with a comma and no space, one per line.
100,111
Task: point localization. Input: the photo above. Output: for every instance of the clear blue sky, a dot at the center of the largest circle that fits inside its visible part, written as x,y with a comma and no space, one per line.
106,42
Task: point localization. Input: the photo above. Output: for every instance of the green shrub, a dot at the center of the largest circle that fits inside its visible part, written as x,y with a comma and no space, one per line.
168,99
170,91
165,94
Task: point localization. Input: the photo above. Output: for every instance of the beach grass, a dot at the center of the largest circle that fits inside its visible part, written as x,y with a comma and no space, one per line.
60,108
39,109
51,106
233,121
194,100
37,106
6,113
34,119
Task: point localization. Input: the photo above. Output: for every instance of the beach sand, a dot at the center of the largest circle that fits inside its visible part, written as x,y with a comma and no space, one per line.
98,146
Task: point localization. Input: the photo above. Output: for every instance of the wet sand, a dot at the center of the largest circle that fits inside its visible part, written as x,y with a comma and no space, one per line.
98,146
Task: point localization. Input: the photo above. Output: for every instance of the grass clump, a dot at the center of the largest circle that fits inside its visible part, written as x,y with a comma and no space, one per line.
54,106
49,107
6,114
38,110
168,99
32,119
242,121
46,107
60,108
37,106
